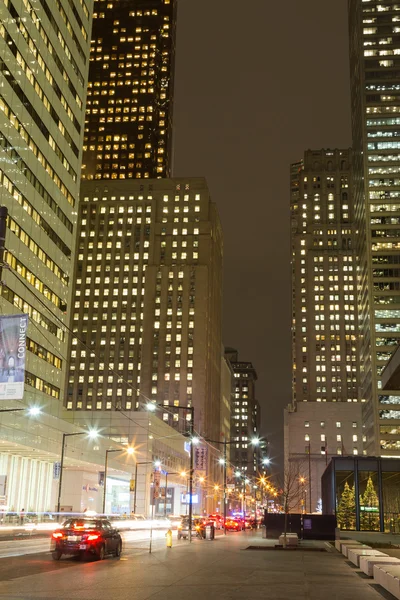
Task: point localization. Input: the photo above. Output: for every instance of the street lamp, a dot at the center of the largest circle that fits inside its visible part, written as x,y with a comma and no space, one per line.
92,433
129,450
32,411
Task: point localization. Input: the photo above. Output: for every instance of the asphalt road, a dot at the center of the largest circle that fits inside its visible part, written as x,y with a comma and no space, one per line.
30,557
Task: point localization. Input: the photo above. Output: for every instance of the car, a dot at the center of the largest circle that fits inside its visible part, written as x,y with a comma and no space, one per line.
218,520
233,524
86,537
198,527
183,528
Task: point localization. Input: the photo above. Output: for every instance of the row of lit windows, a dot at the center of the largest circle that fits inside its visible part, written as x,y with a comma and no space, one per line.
43,161
33,313
36,249
37,22
98,405
43,386
42,63
31,278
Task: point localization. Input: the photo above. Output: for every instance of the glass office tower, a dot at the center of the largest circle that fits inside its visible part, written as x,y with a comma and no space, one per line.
375,88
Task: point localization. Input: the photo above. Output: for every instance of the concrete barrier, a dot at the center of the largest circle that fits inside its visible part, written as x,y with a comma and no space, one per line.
340,543
367,563
292,539
354,554
345,549
388,577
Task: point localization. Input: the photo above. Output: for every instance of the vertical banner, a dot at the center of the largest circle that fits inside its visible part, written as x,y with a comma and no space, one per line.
56,470
157,479
201,461
12,356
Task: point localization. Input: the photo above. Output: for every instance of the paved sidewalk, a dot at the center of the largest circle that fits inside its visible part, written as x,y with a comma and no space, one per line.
204,570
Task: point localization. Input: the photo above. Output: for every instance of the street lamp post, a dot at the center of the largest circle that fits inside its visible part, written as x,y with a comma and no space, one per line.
91,434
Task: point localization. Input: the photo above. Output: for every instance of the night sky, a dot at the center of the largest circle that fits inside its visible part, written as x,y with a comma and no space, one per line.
257,83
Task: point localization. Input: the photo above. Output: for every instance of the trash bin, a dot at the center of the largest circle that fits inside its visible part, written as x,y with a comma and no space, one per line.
210,532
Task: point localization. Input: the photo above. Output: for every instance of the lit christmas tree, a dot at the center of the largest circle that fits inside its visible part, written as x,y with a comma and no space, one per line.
346,510
369,508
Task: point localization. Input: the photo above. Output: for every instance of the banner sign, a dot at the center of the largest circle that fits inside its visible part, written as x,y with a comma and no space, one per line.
56,470
200,458
132,485
157,478
12,356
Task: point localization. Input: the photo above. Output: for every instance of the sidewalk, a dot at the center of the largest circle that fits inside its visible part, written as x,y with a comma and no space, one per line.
204,570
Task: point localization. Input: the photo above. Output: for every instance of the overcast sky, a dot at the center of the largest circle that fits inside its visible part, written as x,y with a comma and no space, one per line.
257,83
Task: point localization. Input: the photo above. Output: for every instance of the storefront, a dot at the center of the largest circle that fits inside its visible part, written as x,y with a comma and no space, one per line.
363,493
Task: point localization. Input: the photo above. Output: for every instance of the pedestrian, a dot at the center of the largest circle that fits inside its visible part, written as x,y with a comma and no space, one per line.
21,516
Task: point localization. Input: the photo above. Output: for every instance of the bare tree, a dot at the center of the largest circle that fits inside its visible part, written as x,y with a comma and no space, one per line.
290,490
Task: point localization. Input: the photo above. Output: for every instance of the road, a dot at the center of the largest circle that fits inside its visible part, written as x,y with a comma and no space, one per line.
225,569
131,539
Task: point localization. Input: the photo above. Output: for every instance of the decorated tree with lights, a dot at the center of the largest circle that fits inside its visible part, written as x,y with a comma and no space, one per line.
369,508
346,510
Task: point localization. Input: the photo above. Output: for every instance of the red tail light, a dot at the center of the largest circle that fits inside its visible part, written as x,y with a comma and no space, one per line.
57,535
93,536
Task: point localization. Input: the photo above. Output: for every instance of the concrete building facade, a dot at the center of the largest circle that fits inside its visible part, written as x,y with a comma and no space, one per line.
313,433
147,302
375,94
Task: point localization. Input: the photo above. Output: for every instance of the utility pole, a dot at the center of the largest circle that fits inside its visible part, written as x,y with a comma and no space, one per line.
191,408
309,472
225,495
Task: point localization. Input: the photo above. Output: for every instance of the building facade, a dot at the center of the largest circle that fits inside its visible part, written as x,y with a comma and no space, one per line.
375,94
44,66
324,306
313,433
324,418
128,129
147,304
245,416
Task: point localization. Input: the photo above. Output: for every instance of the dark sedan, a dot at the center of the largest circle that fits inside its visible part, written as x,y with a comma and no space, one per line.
86,537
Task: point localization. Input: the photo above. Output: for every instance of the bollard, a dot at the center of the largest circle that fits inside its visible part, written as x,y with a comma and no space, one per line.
168,535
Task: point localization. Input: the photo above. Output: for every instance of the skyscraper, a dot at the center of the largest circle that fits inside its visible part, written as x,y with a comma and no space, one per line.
325,416
245,415
375,97
44,60
44,63
148,301
324,307
128,129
